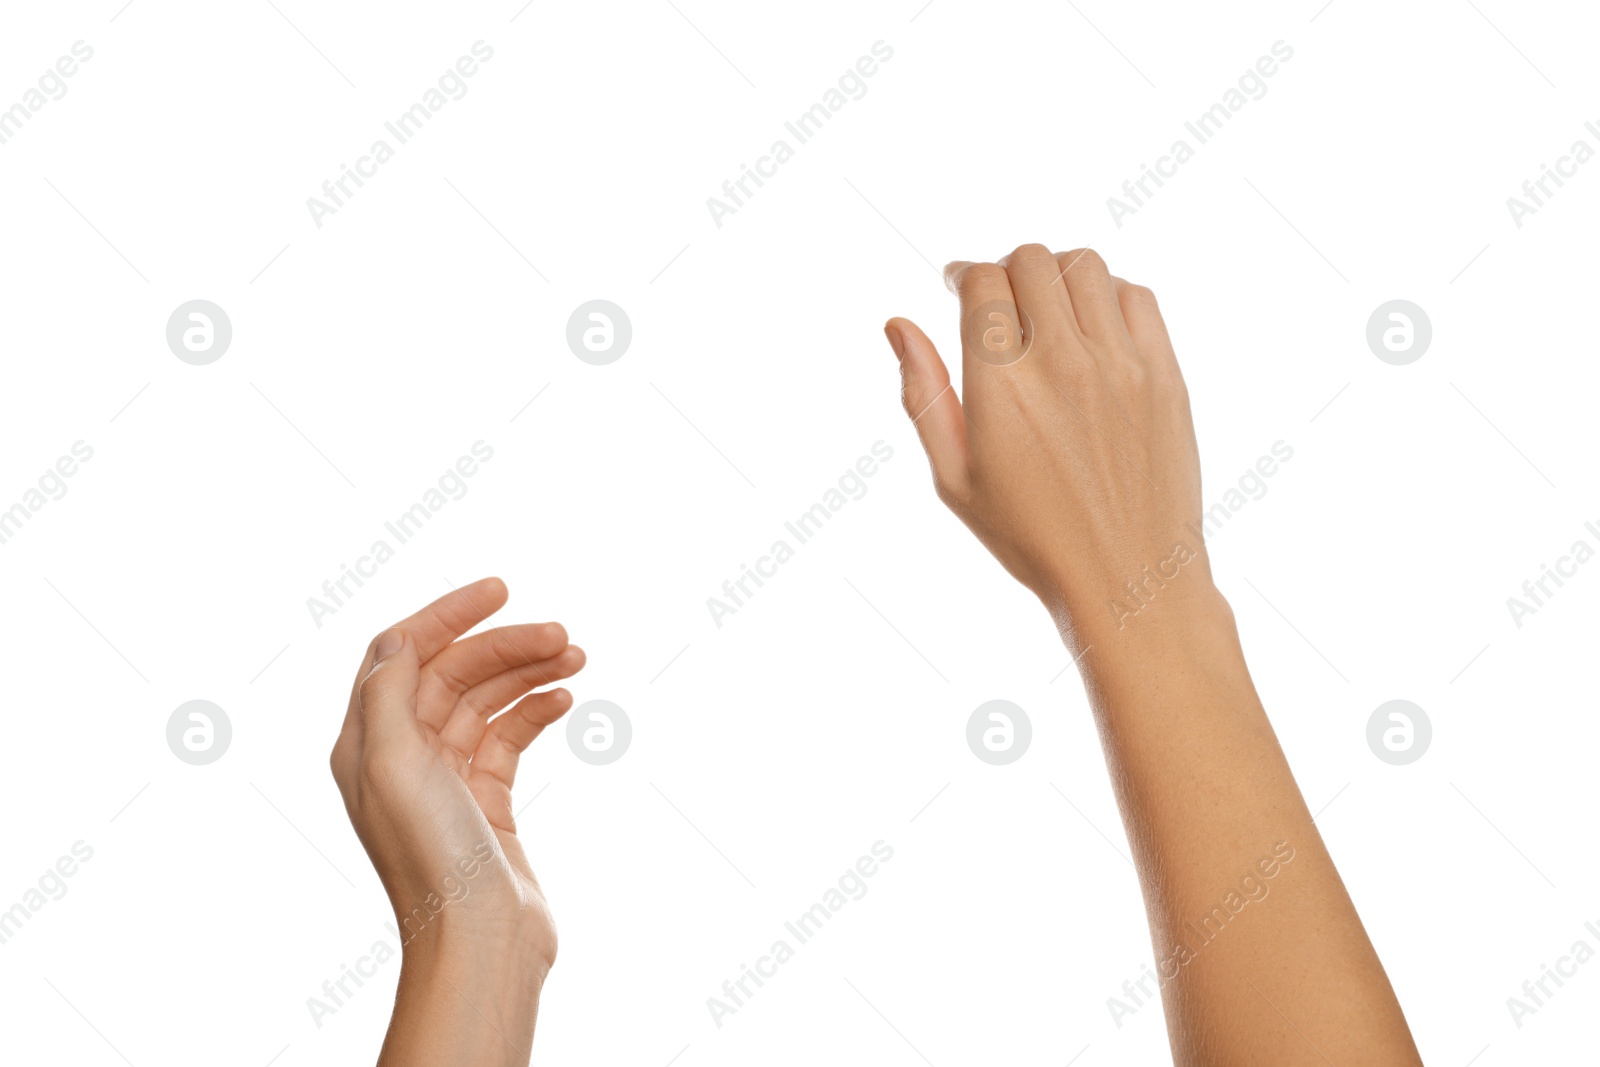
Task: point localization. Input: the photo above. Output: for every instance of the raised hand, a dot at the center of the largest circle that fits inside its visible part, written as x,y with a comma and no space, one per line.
1071,453
425,761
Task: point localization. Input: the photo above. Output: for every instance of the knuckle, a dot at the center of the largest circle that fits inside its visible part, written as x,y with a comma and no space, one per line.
1087,260
505,649
1034,262
450,676
1030,253
946,489
1139,297
982,276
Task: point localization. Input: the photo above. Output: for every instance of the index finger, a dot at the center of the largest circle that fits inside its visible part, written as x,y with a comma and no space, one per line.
437,625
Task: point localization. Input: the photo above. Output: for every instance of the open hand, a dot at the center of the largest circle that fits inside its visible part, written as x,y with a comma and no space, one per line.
426,768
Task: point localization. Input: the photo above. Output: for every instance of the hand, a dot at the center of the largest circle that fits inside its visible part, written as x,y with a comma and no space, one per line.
1071,454
426,772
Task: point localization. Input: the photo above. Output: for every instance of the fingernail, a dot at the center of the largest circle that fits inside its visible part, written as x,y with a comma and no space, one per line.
897,340
389,643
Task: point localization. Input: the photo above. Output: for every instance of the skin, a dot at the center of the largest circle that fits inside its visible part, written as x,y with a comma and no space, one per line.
1071,455
426,761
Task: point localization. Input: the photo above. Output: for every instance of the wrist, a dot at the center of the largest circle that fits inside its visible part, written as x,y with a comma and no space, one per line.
465,999
1181,627
501,977
1148,608
521,942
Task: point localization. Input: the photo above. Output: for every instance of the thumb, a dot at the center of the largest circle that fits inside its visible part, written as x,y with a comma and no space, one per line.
388,693
932,404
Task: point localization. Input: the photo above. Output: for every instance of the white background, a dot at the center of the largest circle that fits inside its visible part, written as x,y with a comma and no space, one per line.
826,715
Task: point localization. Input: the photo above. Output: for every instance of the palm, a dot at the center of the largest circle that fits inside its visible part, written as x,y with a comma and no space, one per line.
486,799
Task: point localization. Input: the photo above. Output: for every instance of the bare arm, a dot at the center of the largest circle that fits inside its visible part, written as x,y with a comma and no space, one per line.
1072,456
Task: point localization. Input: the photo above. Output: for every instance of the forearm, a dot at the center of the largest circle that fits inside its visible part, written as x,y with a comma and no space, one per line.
1260,955
464,1000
